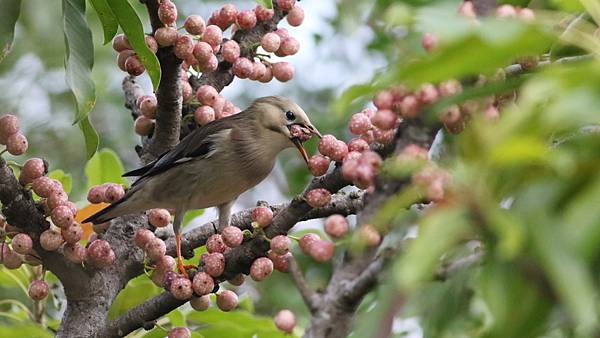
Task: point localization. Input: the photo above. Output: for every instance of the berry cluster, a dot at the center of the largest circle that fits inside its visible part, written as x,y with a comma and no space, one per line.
15,142
202,47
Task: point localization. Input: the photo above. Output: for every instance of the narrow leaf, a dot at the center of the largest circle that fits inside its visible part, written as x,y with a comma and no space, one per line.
79,60
90,136
134,30
107,18
104,167
8,17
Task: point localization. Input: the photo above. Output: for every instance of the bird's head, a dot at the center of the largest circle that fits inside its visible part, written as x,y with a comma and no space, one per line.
284,117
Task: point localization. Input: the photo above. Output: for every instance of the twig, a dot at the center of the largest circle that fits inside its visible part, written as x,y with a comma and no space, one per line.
310,297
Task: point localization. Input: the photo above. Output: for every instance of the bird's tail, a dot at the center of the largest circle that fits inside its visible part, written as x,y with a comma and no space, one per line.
114,210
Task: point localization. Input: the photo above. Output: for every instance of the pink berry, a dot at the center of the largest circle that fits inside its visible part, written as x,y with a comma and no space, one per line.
114,192
43,186
159,217
280,244
202,52
74,252
57,198
339,151
179,332
295,16
491,112
194,24
181,288
427,93
321,250
327,144
167,12
165,263
270,42
289,46
142,237
467,9
204,115
72,233
215,244
451,115
526,14
121,58
258,71
62,216
242,68
286,5
262,215
134,66
449,87
100,254
143,126
214,263
368,235
409,107
383,100
51,240
166,36
97,194
261,268
210,65
148,106
285,320
207,95
212,35
22,243
200,303
10,258
336,226
306,241
151,43
384,119
155,249
17,144
232,236
263,13
9,125
283,71
32,169
38,290
120,43
318,197
357,145
246,19
227,14
430,41
184,46
230,51
227,300
203,283
318,165
359,124
506,11
280,262
186,90
371,158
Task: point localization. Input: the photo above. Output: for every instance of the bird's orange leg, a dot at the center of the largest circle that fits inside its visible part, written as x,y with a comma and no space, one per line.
180,266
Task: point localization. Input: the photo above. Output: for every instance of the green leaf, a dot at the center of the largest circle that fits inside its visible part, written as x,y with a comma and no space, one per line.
234,324
134,30
8,18
190,215
24,330
107,18
90,137
104,167
65,179
79,60
137,291
265,3
176,317
350,97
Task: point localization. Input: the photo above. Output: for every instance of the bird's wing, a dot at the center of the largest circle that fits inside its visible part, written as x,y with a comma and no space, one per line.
198,144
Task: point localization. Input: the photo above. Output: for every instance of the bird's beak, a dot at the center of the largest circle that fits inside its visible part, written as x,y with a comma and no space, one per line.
314,131
301,149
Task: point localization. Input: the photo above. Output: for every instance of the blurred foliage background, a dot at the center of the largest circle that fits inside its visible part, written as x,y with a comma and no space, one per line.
525,188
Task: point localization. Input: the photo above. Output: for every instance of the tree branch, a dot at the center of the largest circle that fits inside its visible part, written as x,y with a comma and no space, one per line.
311,298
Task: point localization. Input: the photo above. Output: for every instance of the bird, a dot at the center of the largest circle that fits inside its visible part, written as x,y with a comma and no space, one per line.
215,163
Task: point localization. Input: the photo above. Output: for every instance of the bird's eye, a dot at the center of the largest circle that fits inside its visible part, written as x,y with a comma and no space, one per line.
290,116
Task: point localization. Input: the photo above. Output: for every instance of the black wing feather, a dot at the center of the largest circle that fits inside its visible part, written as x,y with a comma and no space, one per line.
196,144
